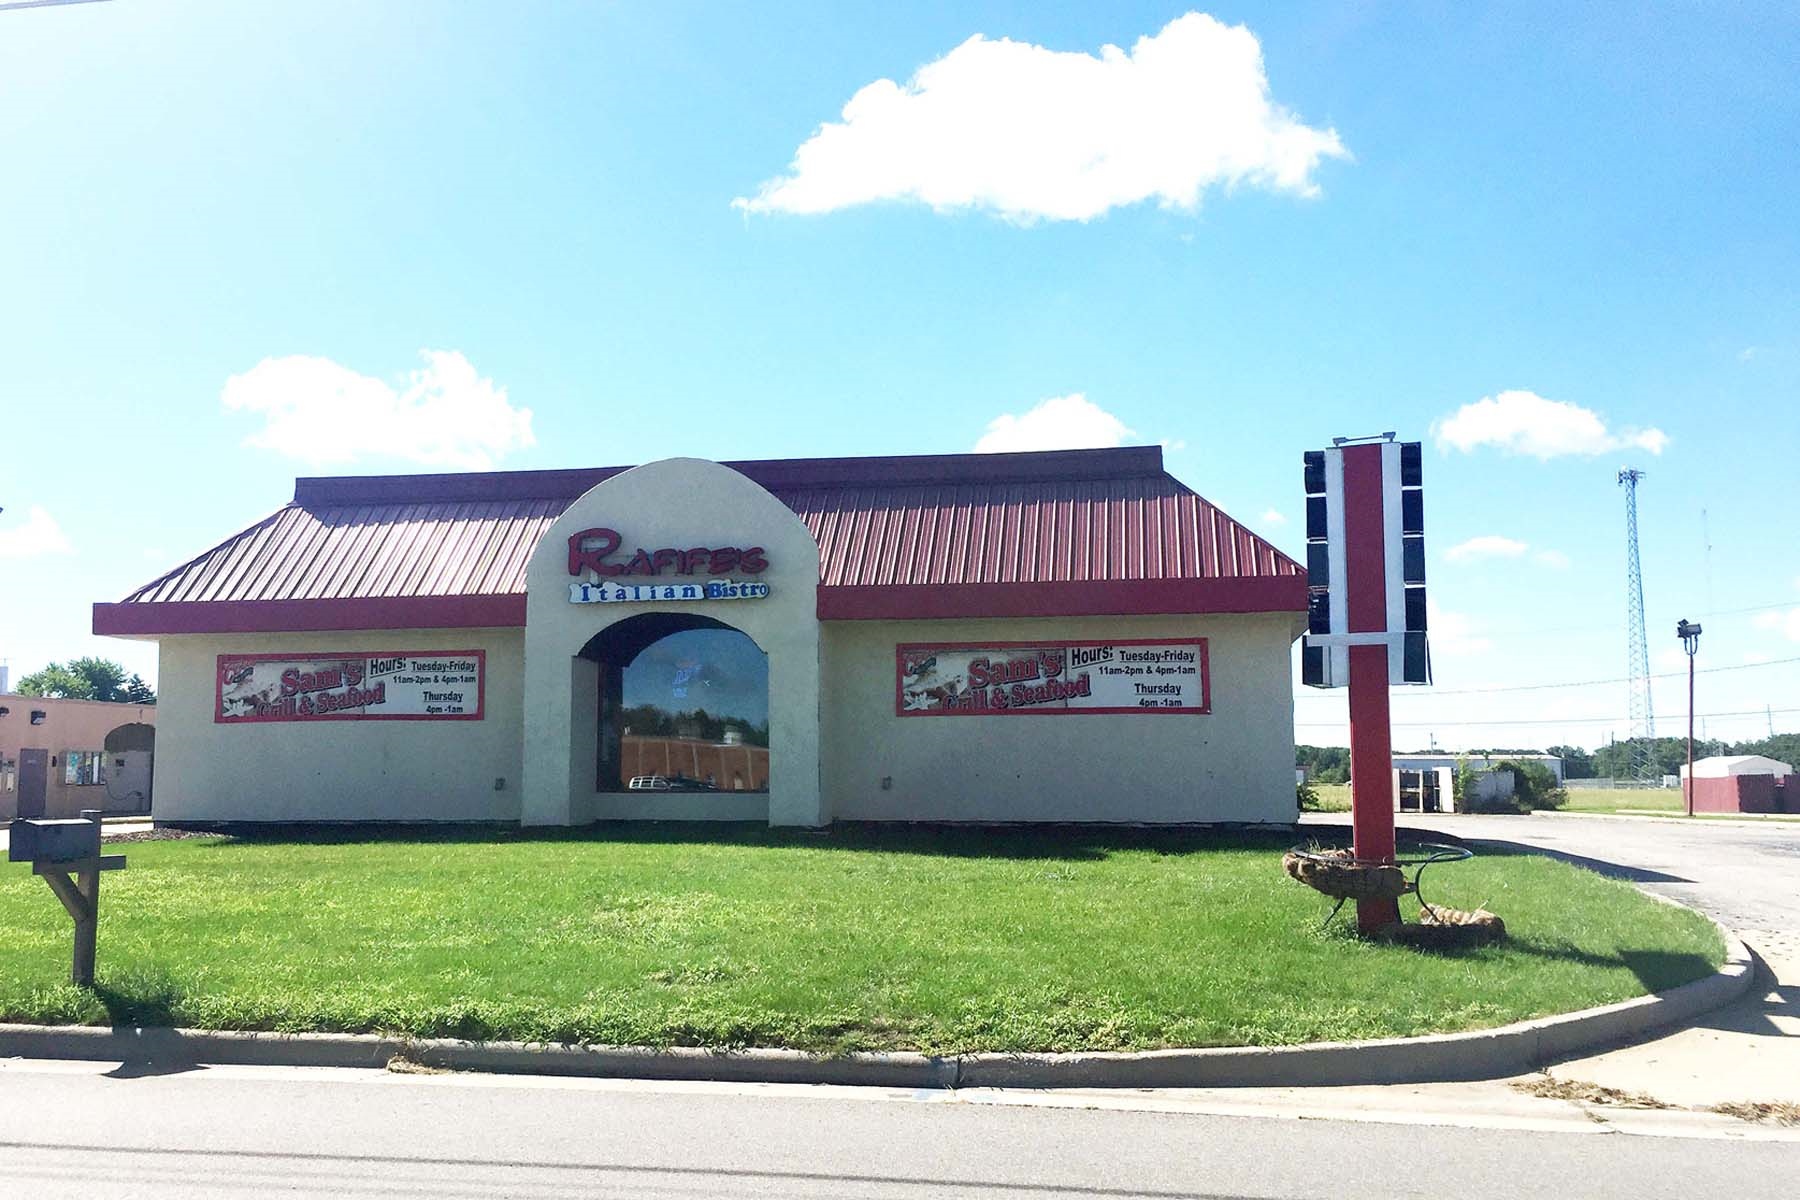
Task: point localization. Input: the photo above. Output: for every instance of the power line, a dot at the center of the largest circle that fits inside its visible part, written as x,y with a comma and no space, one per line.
1538,631
1540,687
1748,712
6,4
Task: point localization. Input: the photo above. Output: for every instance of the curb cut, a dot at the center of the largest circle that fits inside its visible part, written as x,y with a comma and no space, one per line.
1483,1054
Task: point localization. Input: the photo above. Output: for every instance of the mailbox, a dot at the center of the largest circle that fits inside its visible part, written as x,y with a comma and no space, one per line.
66,855
38,840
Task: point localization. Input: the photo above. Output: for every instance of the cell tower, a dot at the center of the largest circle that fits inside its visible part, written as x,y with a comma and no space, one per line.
1640,762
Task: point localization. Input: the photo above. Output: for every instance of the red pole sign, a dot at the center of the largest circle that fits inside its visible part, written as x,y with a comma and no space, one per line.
1365,580
1371,745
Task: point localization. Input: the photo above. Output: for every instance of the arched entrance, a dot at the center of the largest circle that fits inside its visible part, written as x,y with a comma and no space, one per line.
130,752
666,515
682,706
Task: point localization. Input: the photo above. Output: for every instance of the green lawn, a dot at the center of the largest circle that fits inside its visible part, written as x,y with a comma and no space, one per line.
1333,797
1611,800
857,938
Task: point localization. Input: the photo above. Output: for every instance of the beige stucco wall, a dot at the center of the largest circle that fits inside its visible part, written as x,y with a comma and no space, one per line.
69,725
336,770
679,502
1234,764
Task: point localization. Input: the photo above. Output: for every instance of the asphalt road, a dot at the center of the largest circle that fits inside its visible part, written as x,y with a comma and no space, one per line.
71,1131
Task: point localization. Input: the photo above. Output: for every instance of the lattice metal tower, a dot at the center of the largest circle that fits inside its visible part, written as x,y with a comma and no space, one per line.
1640,762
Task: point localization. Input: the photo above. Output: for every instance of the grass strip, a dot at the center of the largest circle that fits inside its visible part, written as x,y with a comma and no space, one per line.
857,938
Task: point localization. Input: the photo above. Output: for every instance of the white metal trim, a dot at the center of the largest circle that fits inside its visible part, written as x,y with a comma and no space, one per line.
1335,542
1394,640
1393,555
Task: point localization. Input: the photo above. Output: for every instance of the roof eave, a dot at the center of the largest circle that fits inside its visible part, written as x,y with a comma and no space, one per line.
899,602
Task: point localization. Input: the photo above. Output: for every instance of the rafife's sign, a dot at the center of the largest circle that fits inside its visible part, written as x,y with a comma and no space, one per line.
591,553
593,550
404,685
994,678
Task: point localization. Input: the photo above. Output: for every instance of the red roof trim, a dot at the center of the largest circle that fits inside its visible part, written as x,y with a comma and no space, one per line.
1070,598
282,616
897,602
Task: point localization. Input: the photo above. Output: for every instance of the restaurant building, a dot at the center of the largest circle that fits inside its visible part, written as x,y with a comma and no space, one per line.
1057,636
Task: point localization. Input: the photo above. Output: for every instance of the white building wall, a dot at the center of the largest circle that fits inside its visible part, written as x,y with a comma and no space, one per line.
1234,764
677,502
367,770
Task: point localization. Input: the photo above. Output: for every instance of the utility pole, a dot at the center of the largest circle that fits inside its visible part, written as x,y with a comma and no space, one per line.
1642,758
1689,634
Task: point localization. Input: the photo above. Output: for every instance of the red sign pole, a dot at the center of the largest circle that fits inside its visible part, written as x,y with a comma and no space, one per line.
1371,744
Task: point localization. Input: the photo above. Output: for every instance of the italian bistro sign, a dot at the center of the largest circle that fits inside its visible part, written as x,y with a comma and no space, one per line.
428,685
611,580
631,593
963,679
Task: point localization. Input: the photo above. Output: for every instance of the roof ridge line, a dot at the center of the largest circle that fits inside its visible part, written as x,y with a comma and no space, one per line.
794,474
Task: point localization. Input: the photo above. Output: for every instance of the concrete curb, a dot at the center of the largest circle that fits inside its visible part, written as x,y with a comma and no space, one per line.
1484,1054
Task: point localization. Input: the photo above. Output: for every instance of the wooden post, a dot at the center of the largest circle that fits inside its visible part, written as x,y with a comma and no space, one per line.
87,883
76,883
87,926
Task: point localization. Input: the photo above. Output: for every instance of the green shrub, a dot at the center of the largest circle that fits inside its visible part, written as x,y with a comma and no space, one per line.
1534,785
1463,786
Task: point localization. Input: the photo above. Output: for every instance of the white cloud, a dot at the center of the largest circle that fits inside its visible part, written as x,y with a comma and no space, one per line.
1748,353
1525,423
1030,133
1272,517
443,414
1786,623
1556,560
1488,546
1754,659
1071,422
39,535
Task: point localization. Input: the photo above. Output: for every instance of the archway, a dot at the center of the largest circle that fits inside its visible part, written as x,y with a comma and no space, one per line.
679,503
130,752
682,706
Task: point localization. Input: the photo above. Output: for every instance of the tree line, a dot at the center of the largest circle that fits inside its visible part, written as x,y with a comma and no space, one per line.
650,720
1331,764
87,679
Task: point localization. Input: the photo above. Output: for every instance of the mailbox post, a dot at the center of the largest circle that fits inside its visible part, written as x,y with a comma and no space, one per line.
67,854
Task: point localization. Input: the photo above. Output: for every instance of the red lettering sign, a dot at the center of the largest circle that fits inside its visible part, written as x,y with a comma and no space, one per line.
592,550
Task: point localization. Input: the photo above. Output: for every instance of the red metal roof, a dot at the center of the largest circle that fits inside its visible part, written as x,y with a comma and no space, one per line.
1051,533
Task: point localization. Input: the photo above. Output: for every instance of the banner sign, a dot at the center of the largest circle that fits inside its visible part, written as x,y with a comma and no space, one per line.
964,679
644,593
402,685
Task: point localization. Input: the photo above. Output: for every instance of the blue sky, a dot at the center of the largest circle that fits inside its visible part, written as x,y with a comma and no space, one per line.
1430,206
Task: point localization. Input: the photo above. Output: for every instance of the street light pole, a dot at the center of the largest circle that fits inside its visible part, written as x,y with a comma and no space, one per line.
1690,641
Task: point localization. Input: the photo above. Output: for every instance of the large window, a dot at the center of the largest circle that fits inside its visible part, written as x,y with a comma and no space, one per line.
688,713
84,768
